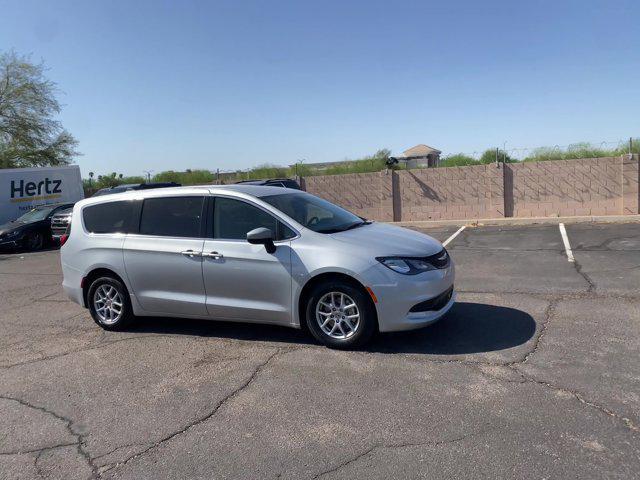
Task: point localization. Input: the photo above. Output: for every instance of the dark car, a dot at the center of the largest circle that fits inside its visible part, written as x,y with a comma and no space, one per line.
31,231
274,182
133,186
59,223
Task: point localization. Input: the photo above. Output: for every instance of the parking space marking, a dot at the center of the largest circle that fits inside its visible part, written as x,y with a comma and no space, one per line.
448,240
565,240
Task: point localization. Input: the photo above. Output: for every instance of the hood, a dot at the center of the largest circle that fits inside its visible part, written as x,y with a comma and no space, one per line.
382,239
9,226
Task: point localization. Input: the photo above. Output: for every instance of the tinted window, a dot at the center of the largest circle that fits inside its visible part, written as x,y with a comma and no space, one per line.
233,219
313,212
290,184
172,216
111,217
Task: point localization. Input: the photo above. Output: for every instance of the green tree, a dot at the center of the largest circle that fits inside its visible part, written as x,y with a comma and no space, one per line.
29,134
489,156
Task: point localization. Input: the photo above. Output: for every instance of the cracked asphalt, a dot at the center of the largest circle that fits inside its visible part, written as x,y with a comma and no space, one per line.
535,373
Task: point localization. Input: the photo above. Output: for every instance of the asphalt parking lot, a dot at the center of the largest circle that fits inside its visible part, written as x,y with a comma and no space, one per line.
535,373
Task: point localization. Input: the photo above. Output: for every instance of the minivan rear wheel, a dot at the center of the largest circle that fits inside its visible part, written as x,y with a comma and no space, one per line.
340,315
109,303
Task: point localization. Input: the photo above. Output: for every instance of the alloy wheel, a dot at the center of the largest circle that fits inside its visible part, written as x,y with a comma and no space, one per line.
108,304
337,315
34,241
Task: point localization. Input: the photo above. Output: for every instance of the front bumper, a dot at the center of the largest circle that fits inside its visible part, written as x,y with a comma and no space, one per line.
13,243
397,294
415,320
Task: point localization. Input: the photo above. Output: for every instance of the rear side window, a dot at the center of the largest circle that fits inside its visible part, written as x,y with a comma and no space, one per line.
233,219
110,217
172,217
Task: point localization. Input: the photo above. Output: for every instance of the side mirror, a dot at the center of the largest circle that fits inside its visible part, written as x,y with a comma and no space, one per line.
262,236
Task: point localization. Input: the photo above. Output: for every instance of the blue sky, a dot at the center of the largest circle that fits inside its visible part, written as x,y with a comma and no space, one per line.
152,85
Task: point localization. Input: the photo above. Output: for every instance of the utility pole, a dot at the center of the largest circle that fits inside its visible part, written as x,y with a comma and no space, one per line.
497,161
630,145
148,172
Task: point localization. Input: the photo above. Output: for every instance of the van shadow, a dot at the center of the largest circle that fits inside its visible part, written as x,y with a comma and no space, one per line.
467,328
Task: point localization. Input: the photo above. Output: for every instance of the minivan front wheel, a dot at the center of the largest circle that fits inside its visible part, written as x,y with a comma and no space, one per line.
109,303
340,315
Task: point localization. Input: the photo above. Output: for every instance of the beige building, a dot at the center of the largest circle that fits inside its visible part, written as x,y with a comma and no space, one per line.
420,156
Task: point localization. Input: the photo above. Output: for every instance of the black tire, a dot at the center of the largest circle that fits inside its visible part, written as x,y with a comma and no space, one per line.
368,323
33,241
107,284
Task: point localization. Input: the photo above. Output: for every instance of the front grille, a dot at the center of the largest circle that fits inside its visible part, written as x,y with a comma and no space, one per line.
59,225
433,304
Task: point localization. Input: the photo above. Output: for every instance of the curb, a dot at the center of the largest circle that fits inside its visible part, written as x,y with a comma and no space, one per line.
522,221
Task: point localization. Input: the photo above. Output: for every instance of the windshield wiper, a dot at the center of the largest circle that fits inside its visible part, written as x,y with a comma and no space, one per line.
344,229
357,224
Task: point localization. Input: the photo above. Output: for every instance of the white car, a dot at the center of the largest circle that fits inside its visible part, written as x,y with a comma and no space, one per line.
252,254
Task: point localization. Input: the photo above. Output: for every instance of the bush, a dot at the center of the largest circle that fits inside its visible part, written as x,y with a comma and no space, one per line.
581,150
457,160
188,177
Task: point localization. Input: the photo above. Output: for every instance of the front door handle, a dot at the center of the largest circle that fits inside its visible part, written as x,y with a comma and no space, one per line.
214,255
191,253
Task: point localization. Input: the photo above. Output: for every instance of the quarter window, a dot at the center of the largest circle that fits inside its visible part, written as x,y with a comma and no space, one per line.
172,216
110,217
233,219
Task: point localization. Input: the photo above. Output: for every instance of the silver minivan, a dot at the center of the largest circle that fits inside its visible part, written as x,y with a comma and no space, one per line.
250,253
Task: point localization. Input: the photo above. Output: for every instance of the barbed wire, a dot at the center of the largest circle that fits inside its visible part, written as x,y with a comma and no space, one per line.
512,151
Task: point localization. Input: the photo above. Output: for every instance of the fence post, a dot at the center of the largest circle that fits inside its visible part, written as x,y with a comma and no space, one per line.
507,178
630,184
395,195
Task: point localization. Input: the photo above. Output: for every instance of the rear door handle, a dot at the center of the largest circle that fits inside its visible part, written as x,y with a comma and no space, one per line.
191,253
214,255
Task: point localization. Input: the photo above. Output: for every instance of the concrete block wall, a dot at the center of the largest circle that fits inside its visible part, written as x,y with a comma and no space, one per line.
590,186
366,194
450,193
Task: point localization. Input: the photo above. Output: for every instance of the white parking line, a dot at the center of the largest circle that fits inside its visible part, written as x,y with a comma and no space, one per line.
565,240
446,242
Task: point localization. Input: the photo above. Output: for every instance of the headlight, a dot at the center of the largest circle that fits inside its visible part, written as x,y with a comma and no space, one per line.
14,233
406,265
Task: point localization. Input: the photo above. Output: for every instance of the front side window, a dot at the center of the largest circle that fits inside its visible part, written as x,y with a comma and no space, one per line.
172,216
233,219
313,212
110,217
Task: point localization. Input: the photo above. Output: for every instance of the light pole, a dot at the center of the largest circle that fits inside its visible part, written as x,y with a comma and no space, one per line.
148,172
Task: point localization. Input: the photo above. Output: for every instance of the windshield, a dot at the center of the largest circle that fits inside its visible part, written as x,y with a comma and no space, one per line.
35,215
313,212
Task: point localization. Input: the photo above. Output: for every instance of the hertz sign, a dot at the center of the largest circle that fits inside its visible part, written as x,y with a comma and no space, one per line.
25,188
